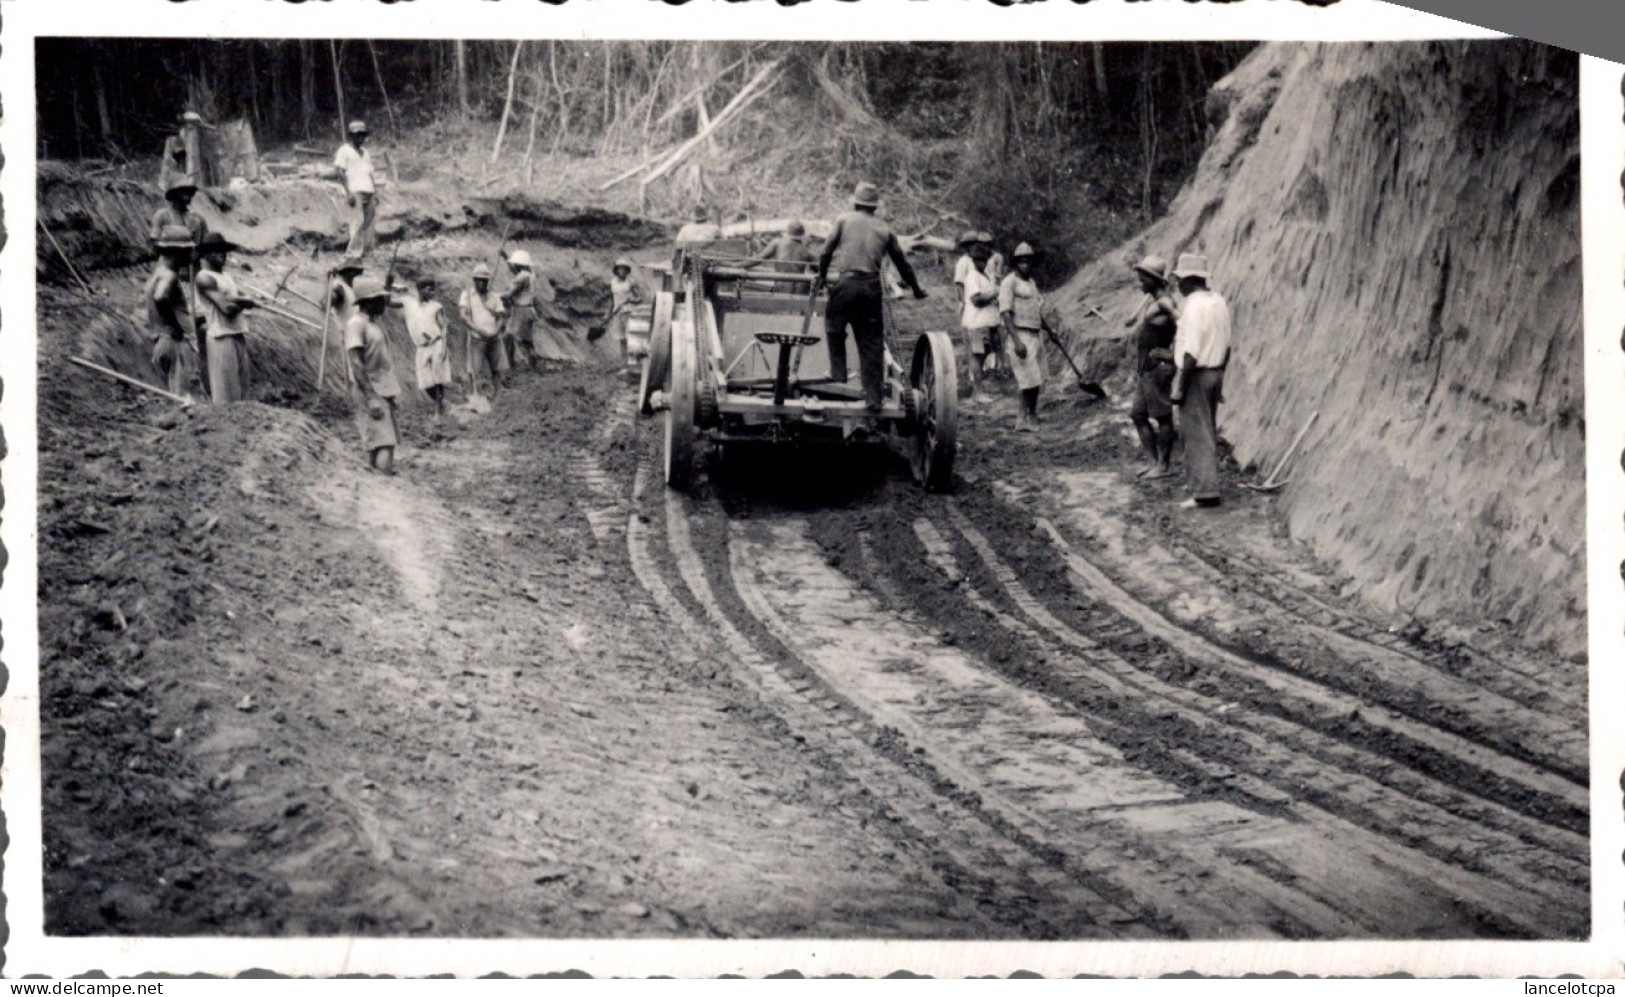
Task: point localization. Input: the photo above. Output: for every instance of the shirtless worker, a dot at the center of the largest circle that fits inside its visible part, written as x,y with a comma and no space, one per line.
858,244
222,306
1201,352
169,312
789,248
353,163
1153,411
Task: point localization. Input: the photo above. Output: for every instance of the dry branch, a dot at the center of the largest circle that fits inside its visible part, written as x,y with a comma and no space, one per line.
758,85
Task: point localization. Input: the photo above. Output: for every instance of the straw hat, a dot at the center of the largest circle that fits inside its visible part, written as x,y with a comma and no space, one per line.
350,264
1191,265
866,195
970,237
1023,251
482,271
622,262
369,288
1153,266
700,214
519,258
358,127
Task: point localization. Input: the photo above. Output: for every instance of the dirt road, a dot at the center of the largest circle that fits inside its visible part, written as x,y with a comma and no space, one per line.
522,690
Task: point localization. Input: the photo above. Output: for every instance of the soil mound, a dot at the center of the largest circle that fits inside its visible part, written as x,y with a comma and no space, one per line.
1397,230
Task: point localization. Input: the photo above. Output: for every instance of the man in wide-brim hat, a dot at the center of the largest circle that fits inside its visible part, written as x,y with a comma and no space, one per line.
1201,352
857,246
1156,320
177,210
353,163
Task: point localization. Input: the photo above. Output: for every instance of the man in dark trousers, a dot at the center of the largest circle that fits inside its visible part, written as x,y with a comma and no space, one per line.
1201,350
855,249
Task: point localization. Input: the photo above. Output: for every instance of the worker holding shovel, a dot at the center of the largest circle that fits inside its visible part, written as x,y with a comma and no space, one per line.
482,309
1021,310
169,313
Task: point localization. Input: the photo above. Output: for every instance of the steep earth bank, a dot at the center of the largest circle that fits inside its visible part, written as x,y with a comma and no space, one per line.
1397,230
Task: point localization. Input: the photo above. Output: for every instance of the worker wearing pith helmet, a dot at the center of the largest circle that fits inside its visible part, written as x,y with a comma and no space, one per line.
626,295
482,311
341,290
857,246
520,332
1201,353
353,164
1021,309
373,372
1153,410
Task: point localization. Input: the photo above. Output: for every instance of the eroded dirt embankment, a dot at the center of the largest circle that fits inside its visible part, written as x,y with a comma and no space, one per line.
1397,230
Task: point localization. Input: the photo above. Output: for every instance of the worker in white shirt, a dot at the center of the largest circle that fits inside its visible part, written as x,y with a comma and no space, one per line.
354,164
1201,352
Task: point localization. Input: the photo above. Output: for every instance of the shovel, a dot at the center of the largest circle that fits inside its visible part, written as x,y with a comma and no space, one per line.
1090,388
1270,483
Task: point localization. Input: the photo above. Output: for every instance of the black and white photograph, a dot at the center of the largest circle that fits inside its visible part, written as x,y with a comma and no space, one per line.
716,489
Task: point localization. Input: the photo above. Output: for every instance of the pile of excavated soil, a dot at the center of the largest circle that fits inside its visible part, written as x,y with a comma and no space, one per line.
1397,230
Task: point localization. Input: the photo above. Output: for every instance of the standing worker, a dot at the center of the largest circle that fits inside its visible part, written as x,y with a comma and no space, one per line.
341,290
625,294
1157,318
169,314
979,318
520,301
1201,352
426,324
855,249
177,210
373,371
482,310
222,306
1021,308
354,164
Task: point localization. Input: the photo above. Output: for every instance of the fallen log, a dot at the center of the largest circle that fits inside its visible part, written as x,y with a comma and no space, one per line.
98,368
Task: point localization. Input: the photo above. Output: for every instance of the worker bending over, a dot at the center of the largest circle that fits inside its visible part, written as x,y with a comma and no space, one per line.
855,249
1201,351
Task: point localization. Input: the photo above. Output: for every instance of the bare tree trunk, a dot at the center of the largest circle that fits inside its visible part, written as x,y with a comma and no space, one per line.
535,111
460,48
338,83
507,105
378,74
103,118
307,87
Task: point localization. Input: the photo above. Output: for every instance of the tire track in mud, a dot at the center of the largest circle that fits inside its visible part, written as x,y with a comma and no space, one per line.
1005,880
1471,765
1157,573
1279,760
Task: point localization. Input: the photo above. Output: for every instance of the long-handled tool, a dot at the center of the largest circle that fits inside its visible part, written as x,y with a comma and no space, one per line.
327,314
806,323
1270,483
199,332
144,386
1088,387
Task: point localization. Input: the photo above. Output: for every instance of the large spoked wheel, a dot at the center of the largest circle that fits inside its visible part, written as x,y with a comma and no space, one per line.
657,365
936,408
680,412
